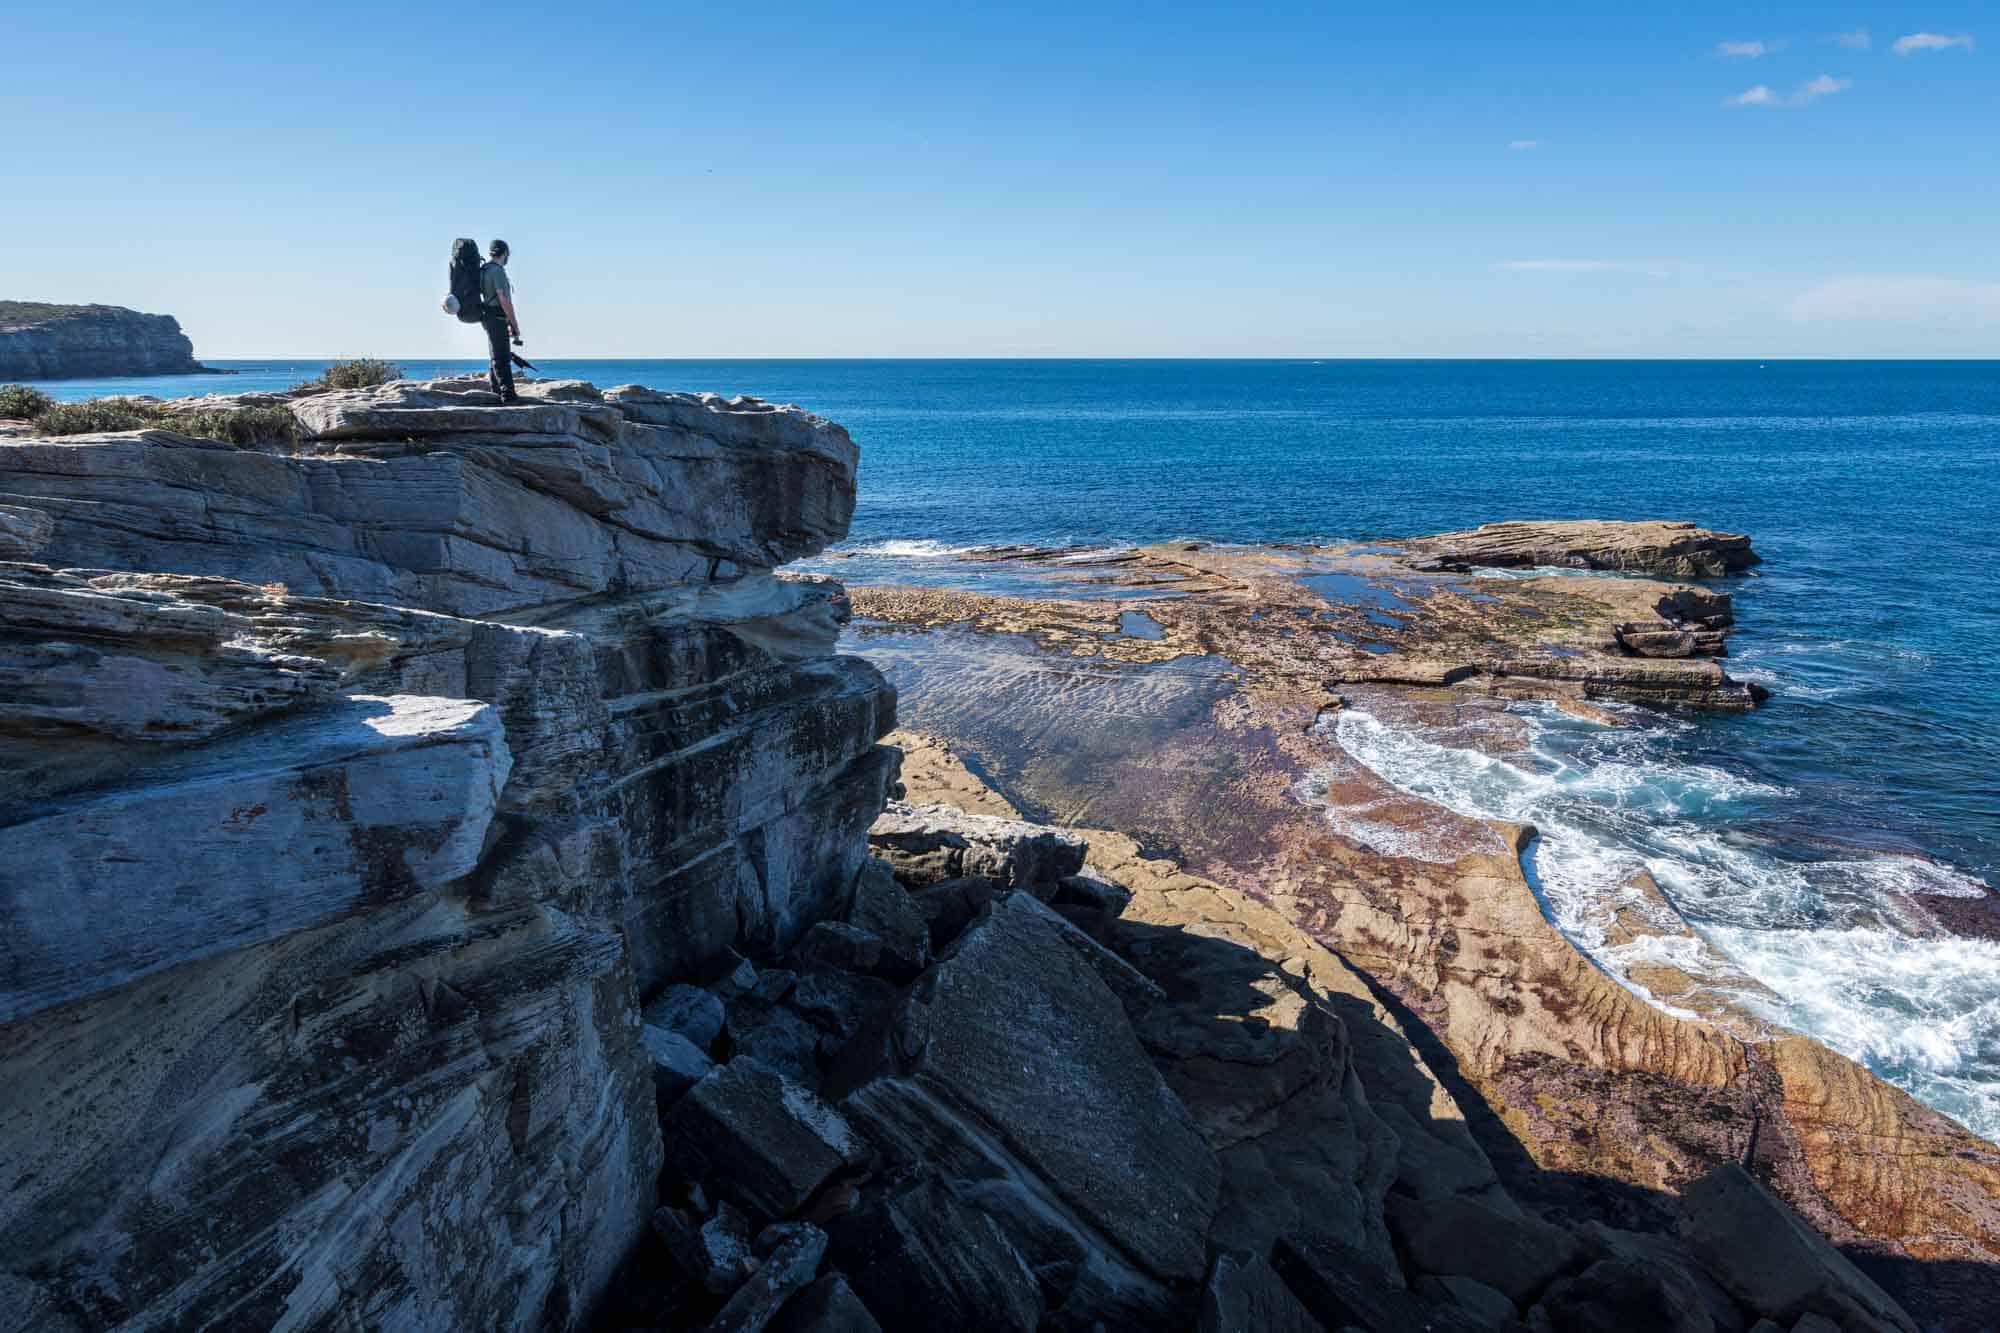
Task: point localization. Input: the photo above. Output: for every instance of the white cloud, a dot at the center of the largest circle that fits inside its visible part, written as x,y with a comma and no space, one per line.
1805,94
1823,86
1745,50
1522,145
1652,268
1858,40
1945,301
1931,41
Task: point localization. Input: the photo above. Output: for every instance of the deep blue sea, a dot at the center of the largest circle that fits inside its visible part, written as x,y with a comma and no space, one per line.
1792,838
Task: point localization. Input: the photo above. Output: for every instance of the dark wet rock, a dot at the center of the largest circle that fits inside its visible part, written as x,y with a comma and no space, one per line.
1515,1255
948,906
1766,1256
678,1064
771,1033
1673,1266
693,1012
1475,1298
827,1306
757,1137
1245,1293
883,908
1624,1294
839,945
790,1267
1089,891
1341,1288
920,1258
840,1004
714,1250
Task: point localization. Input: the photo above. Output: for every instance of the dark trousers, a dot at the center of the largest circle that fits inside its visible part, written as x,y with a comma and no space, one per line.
500,370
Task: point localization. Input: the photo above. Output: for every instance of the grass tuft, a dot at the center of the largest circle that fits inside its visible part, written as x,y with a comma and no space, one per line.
18,400
363,372
231,425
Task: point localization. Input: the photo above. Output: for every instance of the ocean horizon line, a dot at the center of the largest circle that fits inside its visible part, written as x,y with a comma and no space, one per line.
1157,360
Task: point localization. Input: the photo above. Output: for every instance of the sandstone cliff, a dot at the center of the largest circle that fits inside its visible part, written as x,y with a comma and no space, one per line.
345,833
39,341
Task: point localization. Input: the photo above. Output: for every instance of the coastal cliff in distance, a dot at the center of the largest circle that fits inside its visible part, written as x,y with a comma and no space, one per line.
43,341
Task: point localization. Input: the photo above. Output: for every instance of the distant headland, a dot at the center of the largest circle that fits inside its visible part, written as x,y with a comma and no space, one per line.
44,341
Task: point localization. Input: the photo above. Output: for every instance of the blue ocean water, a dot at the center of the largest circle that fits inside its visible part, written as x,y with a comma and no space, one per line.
1793,838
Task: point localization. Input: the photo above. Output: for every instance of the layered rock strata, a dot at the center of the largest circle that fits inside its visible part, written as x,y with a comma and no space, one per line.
349,831
49,342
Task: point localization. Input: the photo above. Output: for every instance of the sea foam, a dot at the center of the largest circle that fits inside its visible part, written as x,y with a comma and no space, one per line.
1834,940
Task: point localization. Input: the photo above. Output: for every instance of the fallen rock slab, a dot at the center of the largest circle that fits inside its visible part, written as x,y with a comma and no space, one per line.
924,846
1766,1256
790,1267
1017,1029
760,1138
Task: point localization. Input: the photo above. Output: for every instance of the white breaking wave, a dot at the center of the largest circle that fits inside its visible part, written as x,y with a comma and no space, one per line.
911,548
1834,939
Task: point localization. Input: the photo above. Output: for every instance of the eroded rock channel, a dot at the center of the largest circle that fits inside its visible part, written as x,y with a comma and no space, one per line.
451,880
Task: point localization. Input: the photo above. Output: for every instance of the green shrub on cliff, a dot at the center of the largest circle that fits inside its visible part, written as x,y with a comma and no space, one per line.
95,415
232,425
237,425
18,400
363,372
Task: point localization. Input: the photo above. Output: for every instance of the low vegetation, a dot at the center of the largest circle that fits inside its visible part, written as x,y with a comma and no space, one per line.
363,372
20,401
35,312
232,425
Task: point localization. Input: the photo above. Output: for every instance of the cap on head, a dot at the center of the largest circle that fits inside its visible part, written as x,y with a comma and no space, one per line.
497,249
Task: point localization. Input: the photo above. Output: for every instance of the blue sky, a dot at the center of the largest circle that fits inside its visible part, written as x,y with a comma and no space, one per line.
1043,180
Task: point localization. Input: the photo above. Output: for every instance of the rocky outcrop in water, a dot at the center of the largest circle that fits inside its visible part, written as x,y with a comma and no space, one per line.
1665,549
1315,616
348,832
50,342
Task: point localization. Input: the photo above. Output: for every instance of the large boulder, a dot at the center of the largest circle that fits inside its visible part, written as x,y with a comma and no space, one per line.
934,843
1011,1063
760,1137
1515,1255
1766,1256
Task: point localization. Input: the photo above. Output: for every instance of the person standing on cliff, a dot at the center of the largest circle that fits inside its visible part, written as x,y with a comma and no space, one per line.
496,296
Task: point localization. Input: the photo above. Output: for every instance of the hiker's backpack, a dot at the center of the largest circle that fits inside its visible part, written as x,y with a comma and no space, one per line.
464,300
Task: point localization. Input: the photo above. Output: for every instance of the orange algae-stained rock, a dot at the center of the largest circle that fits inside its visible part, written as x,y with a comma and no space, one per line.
1888,1165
